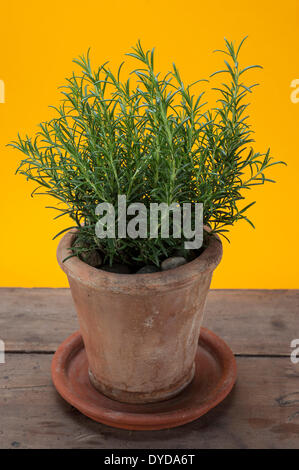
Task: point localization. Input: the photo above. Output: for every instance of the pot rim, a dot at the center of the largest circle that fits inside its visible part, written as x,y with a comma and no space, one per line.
126,283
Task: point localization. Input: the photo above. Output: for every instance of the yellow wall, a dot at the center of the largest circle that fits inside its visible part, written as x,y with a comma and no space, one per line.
38,41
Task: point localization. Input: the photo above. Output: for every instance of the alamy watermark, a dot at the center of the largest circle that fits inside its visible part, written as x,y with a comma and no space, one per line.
138,221
2,352
295,93
2,92
295,353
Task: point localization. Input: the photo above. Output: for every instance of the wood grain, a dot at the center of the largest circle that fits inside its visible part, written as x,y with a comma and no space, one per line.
253,322
261,412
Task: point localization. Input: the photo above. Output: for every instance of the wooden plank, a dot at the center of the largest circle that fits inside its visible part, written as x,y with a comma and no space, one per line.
261,412
36,319
253,322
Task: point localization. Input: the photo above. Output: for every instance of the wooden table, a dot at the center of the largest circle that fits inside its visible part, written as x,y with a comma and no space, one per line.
261,412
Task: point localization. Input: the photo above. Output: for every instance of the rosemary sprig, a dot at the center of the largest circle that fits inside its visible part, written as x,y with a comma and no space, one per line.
150,138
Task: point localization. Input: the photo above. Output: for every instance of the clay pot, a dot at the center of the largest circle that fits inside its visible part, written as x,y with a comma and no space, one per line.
140,331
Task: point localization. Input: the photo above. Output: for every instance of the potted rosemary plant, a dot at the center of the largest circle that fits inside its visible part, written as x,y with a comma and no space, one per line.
148,138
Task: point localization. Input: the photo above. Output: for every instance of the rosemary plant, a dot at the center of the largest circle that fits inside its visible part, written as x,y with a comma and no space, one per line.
149,138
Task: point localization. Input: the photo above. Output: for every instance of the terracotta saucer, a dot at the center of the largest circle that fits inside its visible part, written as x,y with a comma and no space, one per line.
214,378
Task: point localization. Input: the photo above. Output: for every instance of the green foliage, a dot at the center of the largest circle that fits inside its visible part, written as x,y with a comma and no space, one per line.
150,138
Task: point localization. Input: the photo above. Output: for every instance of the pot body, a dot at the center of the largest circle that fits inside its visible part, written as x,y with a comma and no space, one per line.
140,331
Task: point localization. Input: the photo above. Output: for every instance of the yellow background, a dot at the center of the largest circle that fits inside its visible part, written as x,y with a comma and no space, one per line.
38,41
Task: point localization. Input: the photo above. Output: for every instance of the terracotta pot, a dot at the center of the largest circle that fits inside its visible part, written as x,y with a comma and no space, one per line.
140,330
